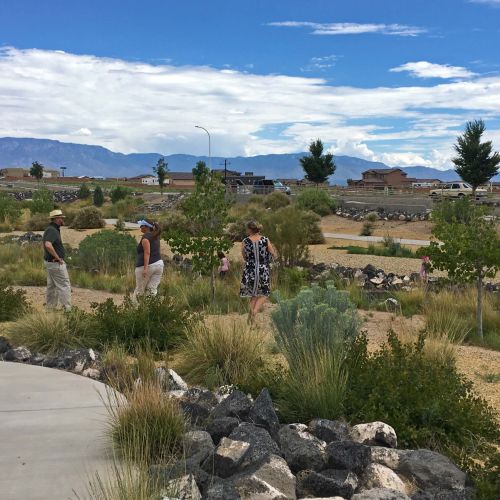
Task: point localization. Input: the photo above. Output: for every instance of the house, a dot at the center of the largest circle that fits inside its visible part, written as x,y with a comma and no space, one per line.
181,179
12,172
50,173
233,177
380,178
147,180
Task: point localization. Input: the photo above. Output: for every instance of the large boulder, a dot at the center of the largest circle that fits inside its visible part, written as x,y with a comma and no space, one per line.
227,457
375,434
432,472
269,479
183,488
221,427
348,455
18,354
261,443
380,494
328,483
264,415
301,449
197,404
236,405
380,476
329,430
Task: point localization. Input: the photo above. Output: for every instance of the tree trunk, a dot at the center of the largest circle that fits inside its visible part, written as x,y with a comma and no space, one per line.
479,311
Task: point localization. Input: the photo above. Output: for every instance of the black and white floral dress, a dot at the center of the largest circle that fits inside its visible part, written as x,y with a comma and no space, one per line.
256,274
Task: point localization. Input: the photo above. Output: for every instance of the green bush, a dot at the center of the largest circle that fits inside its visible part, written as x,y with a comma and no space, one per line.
175,220
88,218
317,201
119,193
367,229
276,200
156,320
37,222
98,196
107,252
43,202
12,303
10,210
83,192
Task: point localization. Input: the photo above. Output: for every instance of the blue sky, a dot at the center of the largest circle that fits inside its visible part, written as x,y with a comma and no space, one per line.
387,80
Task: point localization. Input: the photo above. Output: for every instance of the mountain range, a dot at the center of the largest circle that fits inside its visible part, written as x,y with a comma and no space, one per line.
82,159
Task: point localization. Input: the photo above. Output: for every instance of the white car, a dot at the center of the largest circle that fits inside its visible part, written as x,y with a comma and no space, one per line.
456,190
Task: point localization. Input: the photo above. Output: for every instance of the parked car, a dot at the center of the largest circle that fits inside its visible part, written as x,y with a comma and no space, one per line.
456,190
266,186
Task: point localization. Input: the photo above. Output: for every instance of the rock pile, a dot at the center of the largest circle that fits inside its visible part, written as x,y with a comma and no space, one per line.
171,200
65,196
382,214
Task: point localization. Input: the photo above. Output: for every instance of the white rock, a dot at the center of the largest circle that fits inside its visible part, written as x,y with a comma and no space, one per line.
386,456
375,433
379,476
92,373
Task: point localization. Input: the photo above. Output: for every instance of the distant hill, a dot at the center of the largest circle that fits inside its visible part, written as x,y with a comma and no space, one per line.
81,159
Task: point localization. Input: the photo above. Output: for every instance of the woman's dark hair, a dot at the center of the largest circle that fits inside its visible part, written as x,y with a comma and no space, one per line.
221,255
254,226
156,228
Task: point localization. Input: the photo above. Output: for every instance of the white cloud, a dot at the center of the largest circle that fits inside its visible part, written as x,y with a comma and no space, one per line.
352,28
320,63
425,69
133,106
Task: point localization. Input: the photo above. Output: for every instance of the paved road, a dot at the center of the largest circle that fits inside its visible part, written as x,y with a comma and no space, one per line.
375,239
52,426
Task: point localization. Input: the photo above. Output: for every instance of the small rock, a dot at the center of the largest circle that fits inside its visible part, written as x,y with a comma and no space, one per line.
18,354
184,488
329,430
374,434
327,483
92,373
221,427
348,455
380,494
235,405
379,476
228,456
264,415
195,442
301,449
175,382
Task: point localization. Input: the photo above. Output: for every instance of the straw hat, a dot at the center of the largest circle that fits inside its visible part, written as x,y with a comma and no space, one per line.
56,213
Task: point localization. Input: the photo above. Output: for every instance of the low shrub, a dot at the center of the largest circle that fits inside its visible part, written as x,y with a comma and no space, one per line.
240,215
367,229
37,222
108,252
10,211
83,192
147,426
42,202
175,220
50,332
223,354
12,303
119,193
156,320
276,200
98,196
88,218
317,201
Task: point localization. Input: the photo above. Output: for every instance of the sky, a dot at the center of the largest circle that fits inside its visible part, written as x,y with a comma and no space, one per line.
384,80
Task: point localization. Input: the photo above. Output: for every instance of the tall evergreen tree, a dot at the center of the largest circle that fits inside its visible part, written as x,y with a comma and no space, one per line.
317,166
36,171
474,162
161,171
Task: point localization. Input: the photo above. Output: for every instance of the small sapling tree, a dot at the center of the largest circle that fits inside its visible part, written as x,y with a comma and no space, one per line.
206,209
98,196
83,192
317,166
161,170
466,245
475,162
36,171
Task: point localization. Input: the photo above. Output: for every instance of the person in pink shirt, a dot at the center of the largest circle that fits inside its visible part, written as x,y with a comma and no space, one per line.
224,265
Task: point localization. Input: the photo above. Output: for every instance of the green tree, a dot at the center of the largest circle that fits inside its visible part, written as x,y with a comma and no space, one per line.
98,196
83,192
206,209
318,166
467,246
36,171
474,162
43,202
161,171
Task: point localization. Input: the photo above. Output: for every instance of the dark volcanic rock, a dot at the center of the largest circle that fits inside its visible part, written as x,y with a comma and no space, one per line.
221,427
264,415
328,483
235,405
19,354
329,430
197,405
348,455
4,345
301,449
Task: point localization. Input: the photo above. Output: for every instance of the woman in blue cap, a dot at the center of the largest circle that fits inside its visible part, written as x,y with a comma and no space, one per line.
148,265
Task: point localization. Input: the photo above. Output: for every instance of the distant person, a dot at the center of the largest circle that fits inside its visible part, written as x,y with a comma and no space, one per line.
424,269
58,284
223,265
257,253
148,265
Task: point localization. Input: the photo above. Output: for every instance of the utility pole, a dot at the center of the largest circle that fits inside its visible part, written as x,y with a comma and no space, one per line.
62,170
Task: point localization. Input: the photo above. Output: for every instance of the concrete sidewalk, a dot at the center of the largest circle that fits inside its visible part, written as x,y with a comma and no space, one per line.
375,239
52,433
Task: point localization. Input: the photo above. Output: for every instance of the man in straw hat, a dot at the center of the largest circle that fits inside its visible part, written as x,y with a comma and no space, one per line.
58,285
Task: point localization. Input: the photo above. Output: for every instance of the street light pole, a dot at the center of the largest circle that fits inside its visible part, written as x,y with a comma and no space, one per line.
209,146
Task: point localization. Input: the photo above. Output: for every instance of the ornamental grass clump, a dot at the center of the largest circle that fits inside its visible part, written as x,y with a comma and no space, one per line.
12,303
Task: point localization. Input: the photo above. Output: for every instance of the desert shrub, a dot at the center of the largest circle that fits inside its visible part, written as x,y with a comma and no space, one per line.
223,353
312,222
98,196
37,222
155,320
120,225
119,193
312,331
50,332
10,211
83,192
276,200
147,425
175,220
431,405
240,215
88,218
372,217
367,229
43,202
317,201
290,280
129,208
107,251
12,303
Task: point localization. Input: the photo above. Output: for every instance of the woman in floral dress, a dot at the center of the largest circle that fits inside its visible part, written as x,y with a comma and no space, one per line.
257,252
